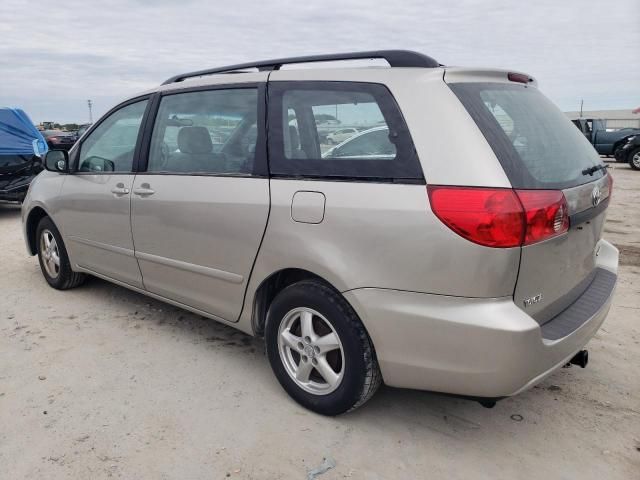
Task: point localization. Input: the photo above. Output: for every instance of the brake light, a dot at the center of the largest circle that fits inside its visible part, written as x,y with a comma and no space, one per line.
500,217
519,77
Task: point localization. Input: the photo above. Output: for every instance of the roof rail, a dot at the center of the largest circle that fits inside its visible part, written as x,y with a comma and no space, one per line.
395,58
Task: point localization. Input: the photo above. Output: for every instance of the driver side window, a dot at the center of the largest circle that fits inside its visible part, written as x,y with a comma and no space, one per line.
110,147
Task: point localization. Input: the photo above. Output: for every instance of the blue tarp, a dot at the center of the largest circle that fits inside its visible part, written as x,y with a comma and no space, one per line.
18,135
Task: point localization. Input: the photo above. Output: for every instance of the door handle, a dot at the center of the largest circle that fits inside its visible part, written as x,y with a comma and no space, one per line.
144,190
120,190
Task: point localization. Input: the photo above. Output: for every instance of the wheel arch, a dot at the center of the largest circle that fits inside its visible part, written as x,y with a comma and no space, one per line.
274,284
36,214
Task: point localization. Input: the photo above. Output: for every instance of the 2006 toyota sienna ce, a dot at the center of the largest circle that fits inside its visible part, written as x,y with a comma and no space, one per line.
457,249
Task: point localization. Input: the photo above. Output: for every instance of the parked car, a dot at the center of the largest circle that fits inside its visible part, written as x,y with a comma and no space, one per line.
605,142
372,143
341,135
21,149
630,152
474,268
58,139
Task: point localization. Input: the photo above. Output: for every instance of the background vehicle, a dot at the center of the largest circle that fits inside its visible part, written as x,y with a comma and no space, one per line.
21,148
58,139
630,152
341,135
605,143
474,268
370,143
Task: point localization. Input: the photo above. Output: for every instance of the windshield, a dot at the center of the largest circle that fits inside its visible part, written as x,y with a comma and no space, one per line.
536,144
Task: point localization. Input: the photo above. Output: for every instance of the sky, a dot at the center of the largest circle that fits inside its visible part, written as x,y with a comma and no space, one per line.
56,55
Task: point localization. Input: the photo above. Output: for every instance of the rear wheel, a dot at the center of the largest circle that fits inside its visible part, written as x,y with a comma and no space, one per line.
319,349
634,159
53,258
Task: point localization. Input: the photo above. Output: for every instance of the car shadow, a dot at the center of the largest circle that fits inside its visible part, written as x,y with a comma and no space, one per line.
9,209
448,415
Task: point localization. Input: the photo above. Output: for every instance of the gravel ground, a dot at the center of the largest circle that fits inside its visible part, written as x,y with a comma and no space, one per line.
100,382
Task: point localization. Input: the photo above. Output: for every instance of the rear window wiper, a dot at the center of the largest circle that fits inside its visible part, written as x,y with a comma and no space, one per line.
594,169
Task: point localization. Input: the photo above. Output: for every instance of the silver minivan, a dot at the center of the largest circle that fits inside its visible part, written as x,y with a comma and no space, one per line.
458,249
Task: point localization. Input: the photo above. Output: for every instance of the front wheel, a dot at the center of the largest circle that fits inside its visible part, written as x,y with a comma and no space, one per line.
319,350
634,159
53,258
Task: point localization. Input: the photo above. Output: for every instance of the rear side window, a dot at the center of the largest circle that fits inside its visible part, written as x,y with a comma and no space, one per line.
536,144
206,132
339,130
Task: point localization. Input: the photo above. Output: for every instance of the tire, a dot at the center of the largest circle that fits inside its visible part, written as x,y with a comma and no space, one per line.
356,375
634,159
49,247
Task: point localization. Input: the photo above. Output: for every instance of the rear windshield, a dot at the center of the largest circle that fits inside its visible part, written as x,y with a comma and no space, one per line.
536,144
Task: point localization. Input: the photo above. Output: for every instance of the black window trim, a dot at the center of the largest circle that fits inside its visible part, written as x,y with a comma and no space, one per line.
275,93
260,168
75,156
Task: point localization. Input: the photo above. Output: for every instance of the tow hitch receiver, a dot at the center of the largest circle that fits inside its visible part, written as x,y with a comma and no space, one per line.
581,359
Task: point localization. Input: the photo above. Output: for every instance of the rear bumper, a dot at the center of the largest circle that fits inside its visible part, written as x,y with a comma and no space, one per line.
480,347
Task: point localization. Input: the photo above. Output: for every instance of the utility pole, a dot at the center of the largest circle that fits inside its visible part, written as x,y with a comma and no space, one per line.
581,103
90,104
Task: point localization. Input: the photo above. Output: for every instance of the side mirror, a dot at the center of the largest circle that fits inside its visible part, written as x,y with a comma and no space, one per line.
57,161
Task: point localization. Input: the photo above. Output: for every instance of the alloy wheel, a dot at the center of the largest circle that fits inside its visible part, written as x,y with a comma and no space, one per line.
50,253
311,351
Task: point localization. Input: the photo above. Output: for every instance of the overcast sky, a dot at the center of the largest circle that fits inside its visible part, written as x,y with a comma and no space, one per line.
56,55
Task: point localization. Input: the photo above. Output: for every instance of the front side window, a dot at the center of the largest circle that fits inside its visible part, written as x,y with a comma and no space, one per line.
110,147
206,132
339,130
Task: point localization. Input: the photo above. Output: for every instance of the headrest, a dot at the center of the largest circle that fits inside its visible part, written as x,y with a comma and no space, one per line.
194,140
293,136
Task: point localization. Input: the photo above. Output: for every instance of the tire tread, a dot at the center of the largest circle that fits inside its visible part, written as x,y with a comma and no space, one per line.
372,376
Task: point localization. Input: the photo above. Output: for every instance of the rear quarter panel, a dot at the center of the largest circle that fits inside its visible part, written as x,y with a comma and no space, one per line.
379,235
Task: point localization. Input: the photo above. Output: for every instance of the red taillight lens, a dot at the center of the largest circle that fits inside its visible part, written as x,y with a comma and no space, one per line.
546,213
488,216
500,217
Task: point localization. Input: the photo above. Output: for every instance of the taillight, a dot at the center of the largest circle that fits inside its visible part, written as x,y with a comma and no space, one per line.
500,217
546,214
488,216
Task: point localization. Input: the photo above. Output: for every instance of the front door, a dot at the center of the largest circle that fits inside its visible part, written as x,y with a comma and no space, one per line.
200,209
95,200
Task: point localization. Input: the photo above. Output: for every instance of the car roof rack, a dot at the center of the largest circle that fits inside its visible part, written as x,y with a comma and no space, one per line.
395,58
